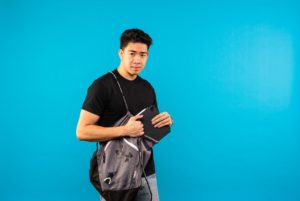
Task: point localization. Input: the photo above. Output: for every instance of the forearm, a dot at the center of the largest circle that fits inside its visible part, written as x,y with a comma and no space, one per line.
95,133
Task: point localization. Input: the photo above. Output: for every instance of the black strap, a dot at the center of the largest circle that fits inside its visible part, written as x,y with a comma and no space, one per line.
125,102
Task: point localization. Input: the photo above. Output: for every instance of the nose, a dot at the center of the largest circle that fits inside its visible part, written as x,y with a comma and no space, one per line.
137,59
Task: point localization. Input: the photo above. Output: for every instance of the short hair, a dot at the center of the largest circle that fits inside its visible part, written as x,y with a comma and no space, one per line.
135,36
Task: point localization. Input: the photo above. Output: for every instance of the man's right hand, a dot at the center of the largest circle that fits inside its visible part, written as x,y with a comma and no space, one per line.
134,127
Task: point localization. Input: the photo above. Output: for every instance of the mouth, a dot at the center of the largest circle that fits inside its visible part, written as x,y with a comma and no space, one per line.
136,68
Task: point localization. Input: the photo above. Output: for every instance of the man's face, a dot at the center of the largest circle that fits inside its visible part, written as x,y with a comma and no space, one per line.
134,57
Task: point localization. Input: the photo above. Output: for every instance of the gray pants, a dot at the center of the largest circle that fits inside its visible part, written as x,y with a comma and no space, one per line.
143,193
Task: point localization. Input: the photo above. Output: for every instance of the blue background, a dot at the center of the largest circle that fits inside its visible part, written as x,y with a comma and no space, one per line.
227,71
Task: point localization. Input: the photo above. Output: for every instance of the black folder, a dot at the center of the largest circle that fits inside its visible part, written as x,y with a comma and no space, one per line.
150,132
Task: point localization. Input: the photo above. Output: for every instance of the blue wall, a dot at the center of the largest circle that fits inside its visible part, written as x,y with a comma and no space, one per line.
227,71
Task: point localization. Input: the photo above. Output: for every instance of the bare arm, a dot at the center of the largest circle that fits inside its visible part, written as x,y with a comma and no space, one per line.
87,129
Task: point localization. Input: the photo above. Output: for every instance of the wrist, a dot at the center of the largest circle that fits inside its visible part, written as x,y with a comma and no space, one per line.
123,131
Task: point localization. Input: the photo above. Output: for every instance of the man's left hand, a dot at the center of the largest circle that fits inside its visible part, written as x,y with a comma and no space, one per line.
161,120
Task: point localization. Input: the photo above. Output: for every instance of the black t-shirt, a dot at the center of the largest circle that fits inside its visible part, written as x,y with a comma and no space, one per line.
104,99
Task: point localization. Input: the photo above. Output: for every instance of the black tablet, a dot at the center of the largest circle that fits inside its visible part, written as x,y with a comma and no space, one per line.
150,132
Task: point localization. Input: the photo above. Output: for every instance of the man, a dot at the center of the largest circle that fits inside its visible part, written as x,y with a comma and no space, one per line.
104,104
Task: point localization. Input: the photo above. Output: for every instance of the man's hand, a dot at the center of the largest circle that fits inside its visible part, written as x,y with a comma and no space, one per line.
134,127
161,120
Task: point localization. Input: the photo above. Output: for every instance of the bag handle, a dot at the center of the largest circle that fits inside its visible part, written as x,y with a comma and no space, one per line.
120,90
125,102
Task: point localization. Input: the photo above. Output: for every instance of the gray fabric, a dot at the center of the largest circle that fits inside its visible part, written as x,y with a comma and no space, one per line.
121,161
144,193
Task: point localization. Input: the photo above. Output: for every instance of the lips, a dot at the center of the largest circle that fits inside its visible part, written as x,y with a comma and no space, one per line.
136,68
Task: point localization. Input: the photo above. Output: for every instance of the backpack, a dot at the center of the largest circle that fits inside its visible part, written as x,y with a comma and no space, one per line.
116,168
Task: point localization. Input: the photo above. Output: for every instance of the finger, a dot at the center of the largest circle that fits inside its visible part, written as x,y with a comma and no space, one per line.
137,117
155,117
140,132
172,122
158,116
165,122
141,129
139,124
158,120
161,118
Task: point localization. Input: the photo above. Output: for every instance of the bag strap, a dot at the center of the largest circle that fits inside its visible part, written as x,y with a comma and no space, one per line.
125,102
139,142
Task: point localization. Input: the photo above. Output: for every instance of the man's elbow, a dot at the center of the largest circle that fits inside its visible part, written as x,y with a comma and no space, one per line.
80,134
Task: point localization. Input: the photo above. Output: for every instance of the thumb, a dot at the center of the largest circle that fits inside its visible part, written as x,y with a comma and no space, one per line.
137,117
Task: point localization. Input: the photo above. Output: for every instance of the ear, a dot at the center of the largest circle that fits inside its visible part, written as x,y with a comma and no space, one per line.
121,53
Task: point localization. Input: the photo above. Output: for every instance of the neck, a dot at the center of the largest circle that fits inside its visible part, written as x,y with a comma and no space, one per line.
125,74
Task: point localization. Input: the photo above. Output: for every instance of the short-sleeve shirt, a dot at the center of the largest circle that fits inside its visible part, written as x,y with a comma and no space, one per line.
104,99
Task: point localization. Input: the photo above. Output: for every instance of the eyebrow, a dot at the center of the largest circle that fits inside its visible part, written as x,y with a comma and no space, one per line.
137,52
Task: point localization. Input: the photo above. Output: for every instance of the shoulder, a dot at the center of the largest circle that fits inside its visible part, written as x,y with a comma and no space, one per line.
145,82
102,86
103,81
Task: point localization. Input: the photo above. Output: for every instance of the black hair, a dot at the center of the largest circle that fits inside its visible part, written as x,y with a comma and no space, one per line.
135,36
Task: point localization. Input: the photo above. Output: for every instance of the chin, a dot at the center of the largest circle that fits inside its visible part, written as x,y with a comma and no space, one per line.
135,71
